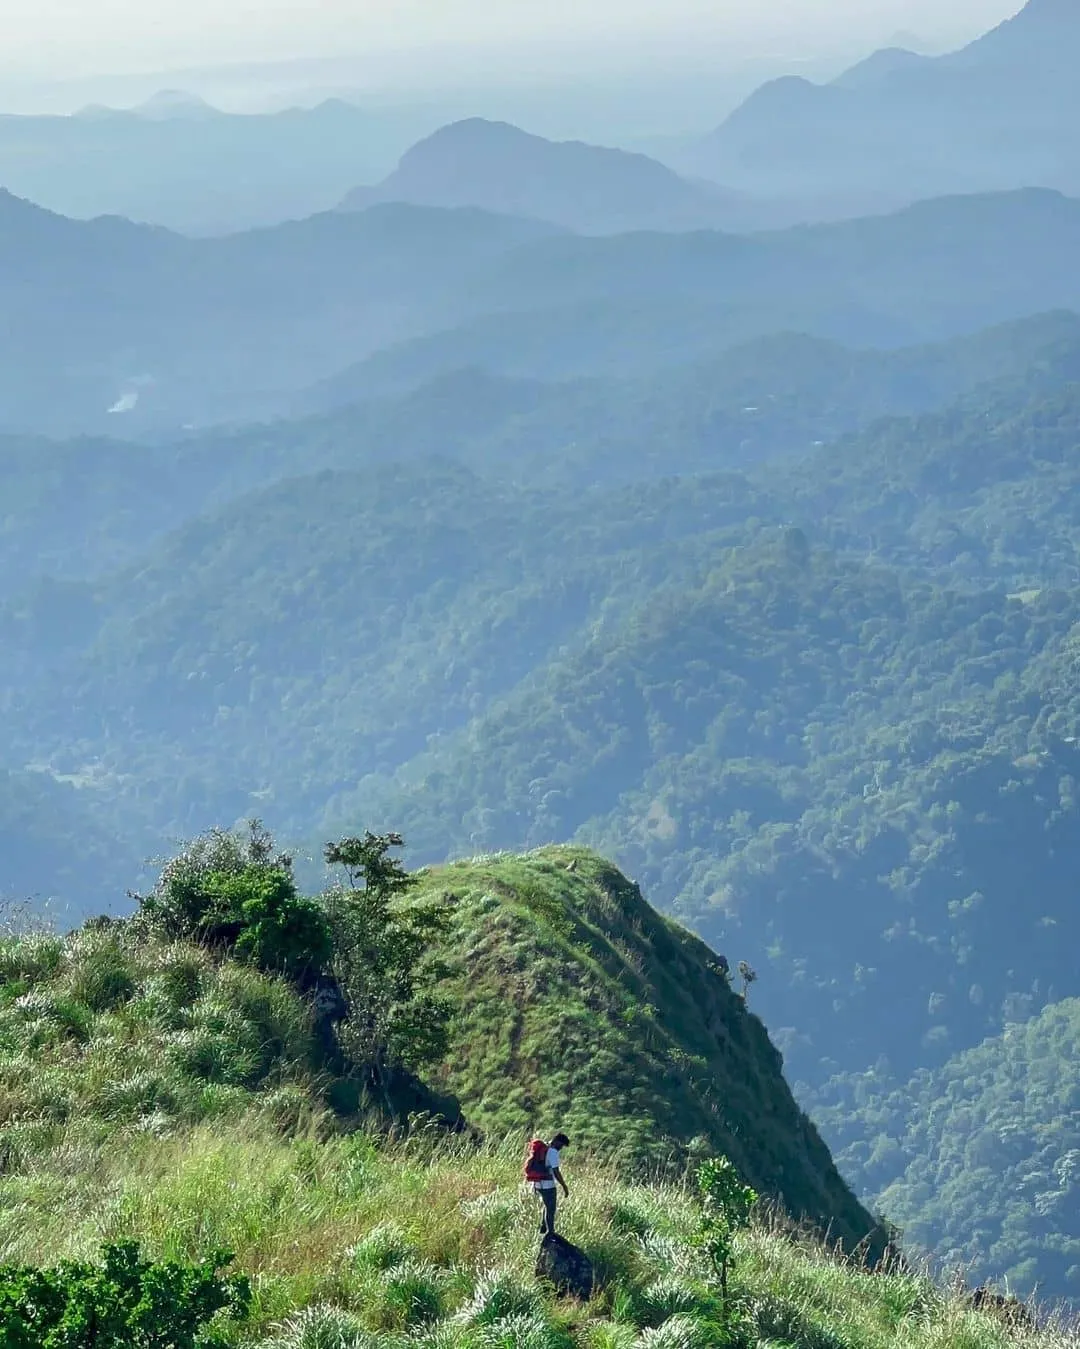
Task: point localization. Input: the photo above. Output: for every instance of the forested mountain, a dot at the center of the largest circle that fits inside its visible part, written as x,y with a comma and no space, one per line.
58,859
80,509
789,629
629,305
999,114
589,188
980,1158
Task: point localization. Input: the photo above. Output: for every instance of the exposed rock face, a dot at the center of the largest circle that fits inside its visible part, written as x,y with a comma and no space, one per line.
566,1268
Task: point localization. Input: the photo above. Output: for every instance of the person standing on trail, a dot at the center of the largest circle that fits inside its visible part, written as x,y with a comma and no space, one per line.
543,1171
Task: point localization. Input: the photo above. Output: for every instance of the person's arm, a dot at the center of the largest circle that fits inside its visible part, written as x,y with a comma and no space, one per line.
557,1173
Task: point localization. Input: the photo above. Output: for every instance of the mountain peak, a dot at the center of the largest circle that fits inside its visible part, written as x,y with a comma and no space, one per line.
501,168
174,105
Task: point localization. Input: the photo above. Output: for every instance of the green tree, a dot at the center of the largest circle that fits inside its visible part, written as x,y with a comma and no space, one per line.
385,964
237,892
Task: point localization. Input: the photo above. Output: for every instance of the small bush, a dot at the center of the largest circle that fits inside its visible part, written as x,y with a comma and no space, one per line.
100,974
30,960
323,1328
499,1294
385,1247
47,1017
237,892
523,1331
669,1296
124,1301
680,1332
411,1296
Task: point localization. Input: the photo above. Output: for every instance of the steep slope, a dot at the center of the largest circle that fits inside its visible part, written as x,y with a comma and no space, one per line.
845,776
979,1160
578,1006
588,188
173,1104
573,1001
1001,113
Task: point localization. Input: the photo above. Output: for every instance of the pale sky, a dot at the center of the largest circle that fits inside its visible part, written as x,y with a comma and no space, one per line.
61,38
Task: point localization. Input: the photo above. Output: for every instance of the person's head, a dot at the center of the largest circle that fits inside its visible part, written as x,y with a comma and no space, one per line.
559,1142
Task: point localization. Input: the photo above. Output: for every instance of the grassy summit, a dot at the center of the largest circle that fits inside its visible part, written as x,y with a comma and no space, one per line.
154,1091
579,1006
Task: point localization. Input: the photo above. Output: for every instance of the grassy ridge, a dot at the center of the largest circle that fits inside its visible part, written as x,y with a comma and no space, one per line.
151,1092
580,1006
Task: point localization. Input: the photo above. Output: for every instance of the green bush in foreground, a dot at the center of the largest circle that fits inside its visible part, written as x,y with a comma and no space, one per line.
122,1302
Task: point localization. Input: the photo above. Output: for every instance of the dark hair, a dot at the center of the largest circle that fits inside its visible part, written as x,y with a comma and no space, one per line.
559,1142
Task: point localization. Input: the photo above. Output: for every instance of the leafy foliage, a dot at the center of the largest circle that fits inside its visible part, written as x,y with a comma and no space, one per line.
124,1301
396,1019
726,1204
235,892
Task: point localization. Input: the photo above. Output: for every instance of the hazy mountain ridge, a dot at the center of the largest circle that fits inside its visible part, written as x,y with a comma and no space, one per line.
588,188
153,331
999,114
205,173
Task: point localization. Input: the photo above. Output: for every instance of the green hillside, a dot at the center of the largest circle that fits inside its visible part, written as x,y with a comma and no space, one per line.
178,1096
979,1160
826,712
159,1092
834,771
575,1004
578,1006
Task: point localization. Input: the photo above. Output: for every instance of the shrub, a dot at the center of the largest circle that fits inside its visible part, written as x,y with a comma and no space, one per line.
499,1294
31,959
680,1332
323,1328
726,1204
122,1302
237,891
523,1332
411,1296
100,976
385,1247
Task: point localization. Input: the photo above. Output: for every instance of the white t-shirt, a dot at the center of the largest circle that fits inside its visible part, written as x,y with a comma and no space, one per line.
552,1165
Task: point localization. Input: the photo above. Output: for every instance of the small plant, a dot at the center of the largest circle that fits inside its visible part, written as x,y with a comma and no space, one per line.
124,1301
726,1204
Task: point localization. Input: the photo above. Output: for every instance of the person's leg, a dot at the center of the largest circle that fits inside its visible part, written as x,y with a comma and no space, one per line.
547,1226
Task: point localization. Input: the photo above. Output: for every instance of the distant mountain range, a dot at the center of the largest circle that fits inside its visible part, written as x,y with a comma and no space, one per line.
587,188
179,162
127,328
1004,112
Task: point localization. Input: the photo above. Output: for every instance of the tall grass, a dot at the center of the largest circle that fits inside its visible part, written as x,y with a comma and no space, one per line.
149,1093
354,1242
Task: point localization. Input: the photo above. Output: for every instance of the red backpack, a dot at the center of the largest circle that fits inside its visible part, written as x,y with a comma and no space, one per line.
536,1167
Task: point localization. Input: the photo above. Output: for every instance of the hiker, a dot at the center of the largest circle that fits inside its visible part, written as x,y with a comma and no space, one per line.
542,1171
